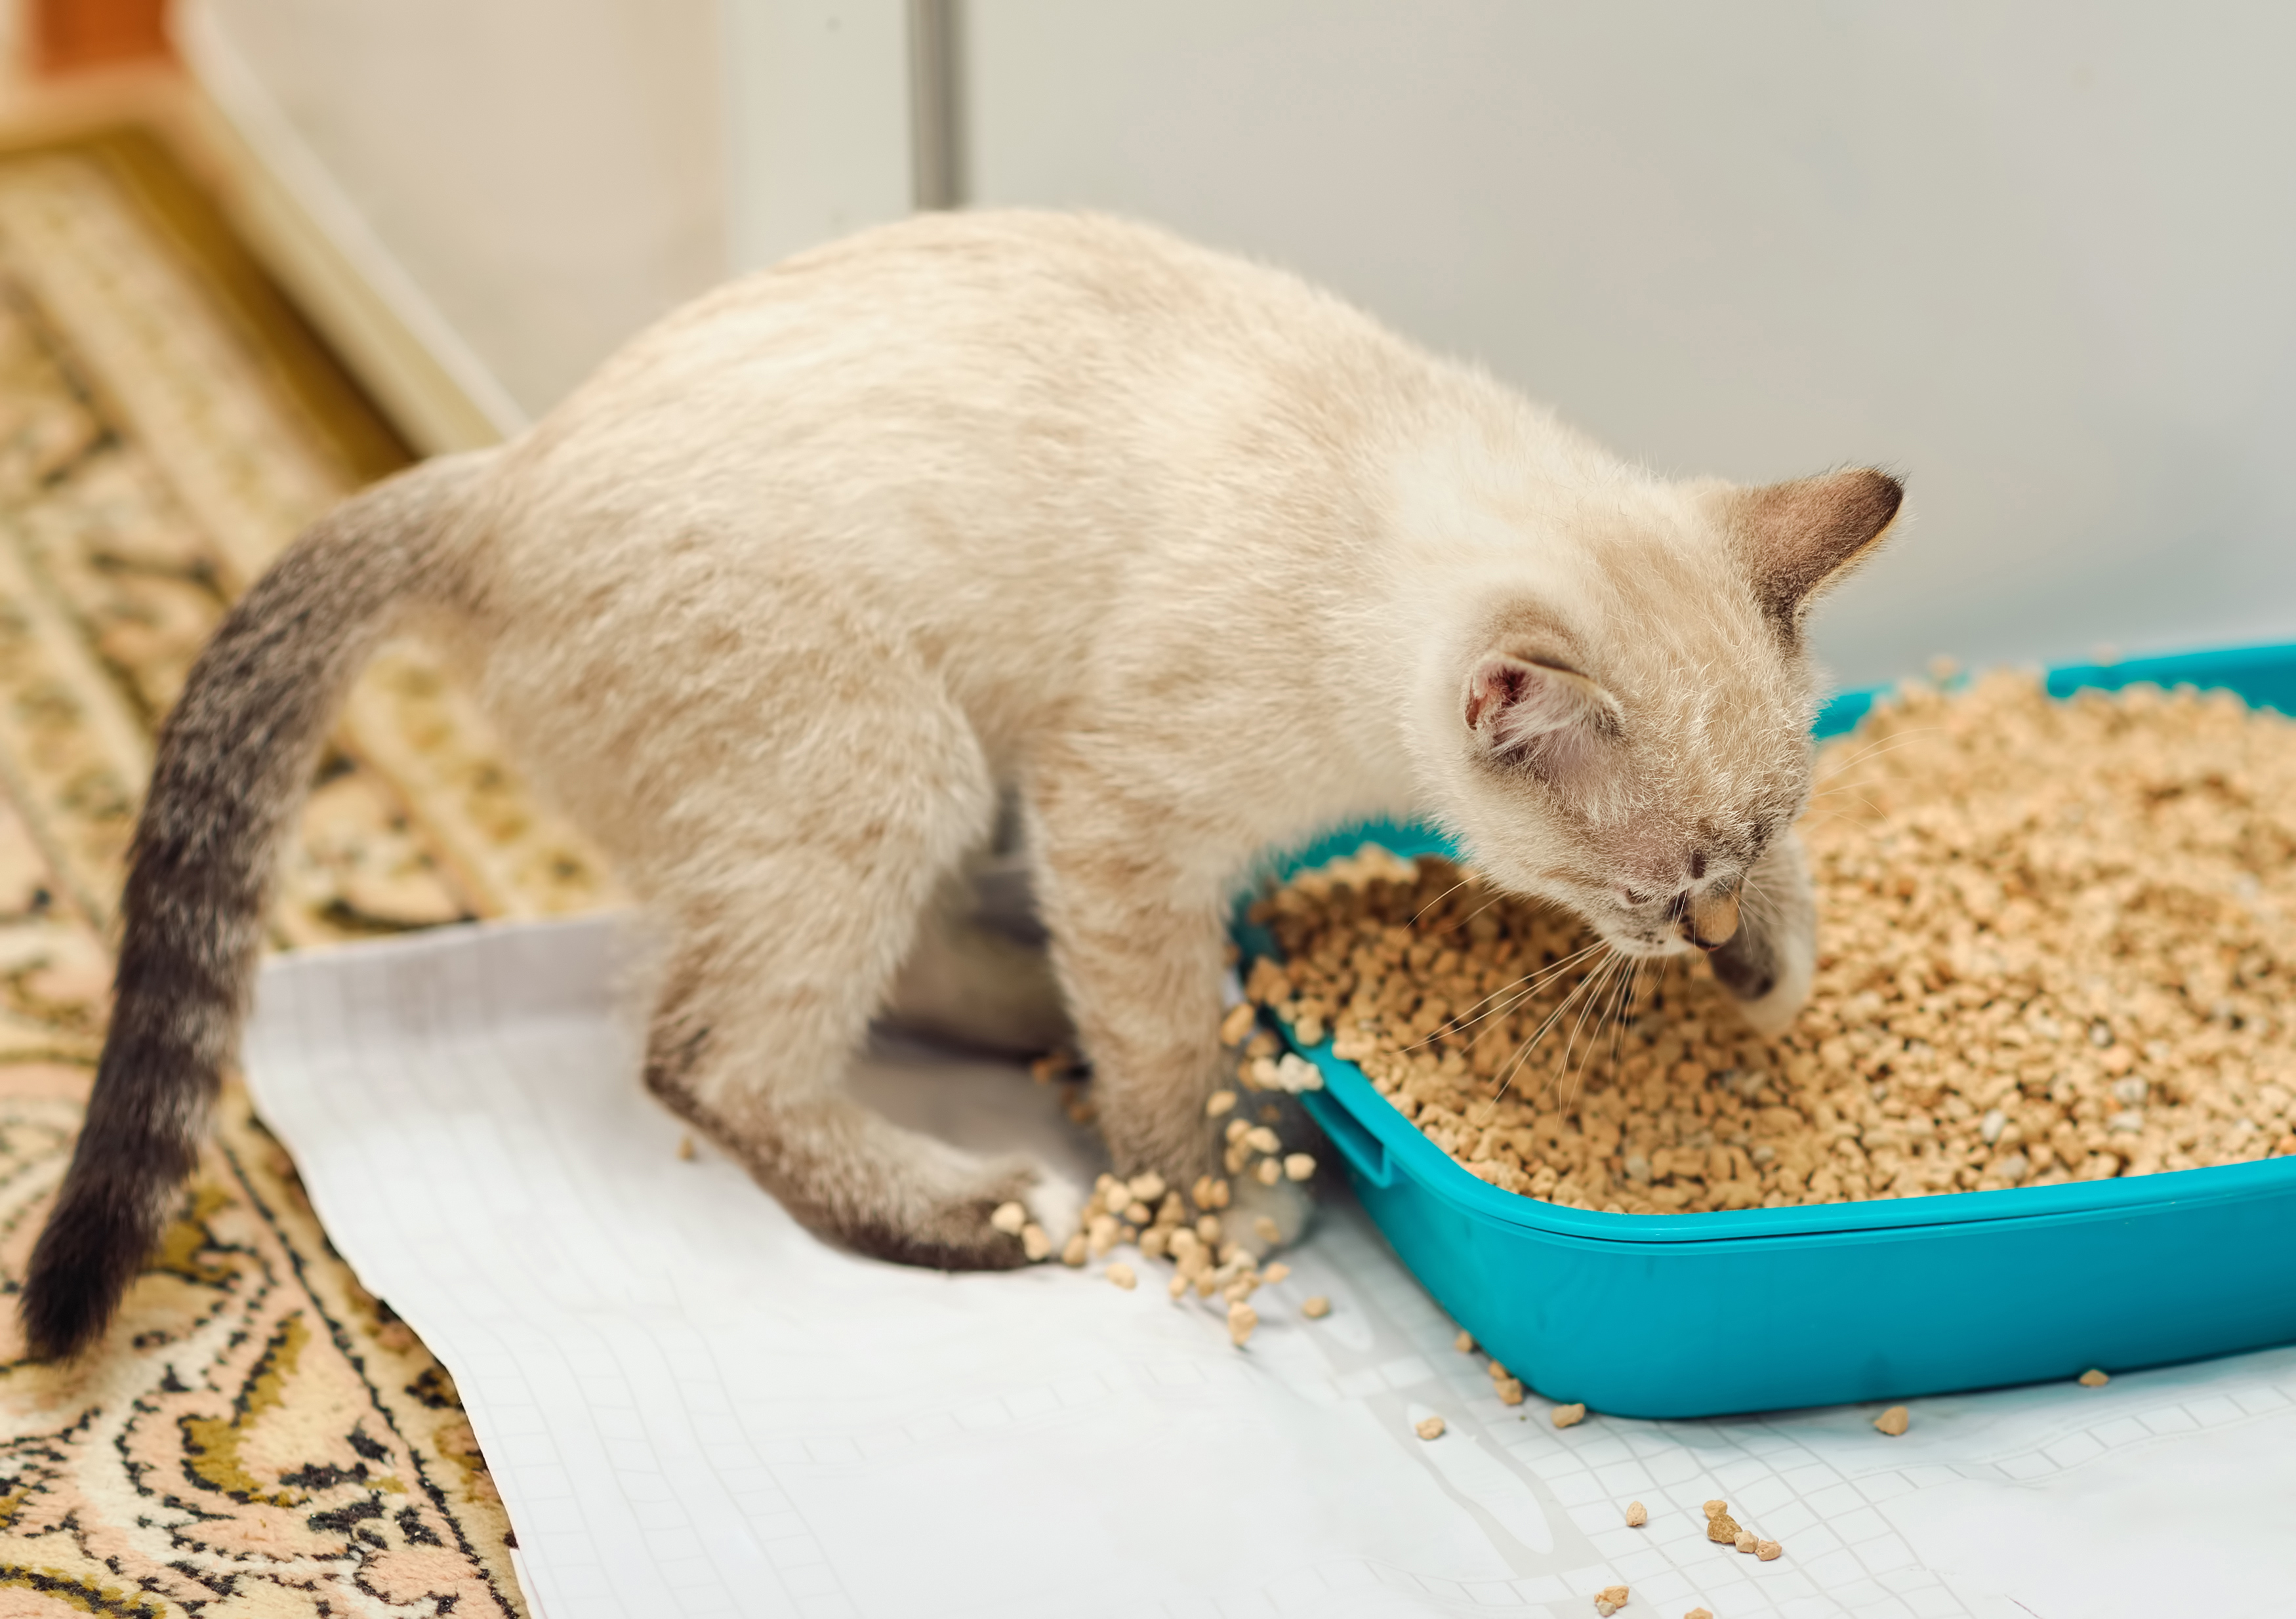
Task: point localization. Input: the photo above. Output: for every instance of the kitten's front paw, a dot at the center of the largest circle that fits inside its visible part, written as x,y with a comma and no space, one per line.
1260,1218
1769,978
1056,1203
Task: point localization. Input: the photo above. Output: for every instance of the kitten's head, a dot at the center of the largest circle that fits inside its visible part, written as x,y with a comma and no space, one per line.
1628,735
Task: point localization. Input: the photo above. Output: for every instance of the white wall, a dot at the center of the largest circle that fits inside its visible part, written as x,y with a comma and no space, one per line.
818,122
2036,255
548,174
2041,257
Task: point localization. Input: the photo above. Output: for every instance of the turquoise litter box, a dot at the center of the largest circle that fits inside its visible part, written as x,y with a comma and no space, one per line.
1699,1315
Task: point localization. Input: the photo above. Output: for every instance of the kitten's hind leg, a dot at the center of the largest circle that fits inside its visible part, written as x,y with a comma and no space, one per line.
971,983
783,943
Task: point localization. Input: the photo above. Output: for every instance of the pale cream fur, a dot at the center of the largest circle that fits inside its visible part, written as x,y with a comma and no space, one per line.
1197,558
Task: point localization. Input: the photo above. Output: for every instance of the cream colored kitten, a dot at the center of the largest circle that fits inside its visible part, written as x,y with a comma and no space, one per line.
1195,559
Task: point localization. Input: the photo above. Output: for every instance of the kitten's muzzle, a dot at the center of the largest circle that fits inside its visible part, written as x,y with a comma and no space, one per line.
1707,920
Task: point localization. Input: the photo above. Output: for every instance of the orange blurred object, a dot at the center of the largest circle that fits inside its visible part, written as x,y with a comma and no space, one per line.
68,34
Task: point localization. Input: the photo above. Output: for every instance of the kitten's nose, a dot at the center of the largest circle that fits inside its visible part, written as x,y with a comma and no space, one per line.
1707,920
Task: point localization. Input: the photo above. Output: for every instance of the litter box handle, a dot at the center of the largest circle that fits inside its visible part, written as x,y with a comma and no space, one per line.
1355,1141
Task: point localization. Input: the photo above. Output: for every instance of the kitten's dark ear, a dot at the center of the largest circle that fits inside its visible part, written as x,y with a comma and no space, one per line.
1537,713
1797,538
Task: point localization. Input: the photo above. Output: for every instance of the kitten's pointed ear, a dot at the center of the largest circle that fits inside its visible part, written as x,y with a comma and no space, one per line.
1797,538
1539,713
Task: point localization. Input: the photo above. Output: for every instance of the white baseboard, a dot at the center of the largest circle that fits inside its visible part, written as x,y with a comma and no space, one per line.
295,216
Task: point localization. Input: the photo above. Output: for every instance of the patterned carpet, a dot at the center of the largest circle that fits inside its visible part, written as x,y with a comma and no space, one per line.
259,1436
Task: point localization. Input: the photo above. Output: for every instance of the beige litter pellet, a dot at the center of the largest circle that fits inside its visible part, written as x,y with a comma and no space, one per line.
1264,1228
1509,1391
1268,1171
1121,1275
1721,1528
1077,1251
1894,1421
1428,1427
1712,1507
1316,1308
1768,1550
1036,1242
1237,1025
1464,1343
1746,1541
1219,1102
2051,937
686,1149
1009,1218
1262,1140
1299,1166
2093,1378
1609,1599
1699,1613
1242,1319
1270,1275
1148,1188
1498,1373
1638,1514
1569,1416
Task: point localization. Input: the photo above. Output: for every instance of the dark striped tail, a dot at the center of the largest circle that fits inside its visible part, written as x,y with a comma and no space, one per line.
234,762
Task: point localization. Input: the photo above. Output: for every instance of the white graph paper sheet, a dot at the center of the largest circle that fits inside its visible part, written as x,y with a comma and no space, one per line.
693,1408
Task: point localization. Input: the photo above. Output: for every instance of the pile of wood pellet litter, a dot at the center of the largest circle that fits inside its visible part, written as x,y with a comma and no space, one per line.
2055,942
1188,1229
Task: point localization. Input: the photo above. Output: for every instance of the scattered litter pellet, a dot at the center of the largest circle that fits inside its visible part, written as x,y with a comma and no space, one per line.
1714,1506
1270,1275
1077,1251
1569,1416
1009,1218
1121,1275
1316,1308
2093,1378
1699,1613
1746,1541
1721,1528
1638,1514
1509,1389
2050,937
1237,1025
1464,1343
1265,1229
1894,1421
686,1149
1036,1242
1242,1318
1768,1550
1609,1599
1499,1374
1268,1172
1219,1102
1299,1166
1428,1427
